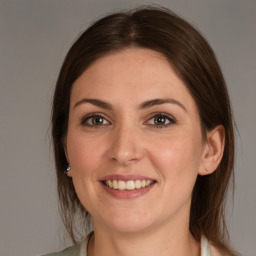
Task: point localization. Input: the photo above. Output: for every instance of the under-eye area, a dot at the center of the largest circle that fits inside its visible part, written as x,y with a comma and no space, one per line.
128,185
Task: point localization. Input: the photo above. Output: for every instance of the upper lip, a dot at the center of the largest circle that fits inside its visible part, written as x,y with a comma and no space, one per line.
125,177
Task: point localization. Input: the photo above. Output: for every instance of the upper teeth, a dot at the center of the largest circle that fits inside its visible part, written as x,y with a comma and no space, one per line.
128,185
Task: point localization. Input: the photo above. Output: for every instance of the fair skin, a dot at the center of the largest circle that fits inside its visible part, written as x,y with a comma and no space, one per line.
132,119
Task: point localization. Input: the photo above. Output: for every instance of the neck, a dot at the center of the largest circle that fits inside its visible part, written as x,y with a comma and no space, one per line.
172,240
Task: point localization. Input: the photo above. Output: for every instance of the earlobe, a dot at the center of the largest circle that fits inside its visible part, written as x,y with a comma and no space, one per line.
68,171
213,151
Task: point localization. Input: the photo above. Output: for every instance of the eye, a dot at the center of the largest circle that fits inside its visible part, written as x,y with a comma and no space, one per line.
161,120
95,120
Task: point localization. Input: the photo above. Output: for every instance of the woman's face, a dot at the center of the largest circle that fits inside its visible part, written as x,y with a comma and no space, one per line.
133,125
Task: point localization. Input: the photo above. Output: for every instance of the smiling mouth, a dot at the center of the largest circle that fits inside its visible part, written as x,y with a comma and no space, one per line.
127,185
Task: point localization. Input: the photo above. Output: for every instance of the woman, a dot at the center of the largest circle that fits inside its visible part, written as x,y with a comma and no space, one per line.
142,125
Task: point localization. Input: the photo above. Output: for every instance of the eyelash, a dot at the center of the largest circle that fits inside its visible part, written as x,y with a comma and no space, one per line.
166,117
86,119
163,116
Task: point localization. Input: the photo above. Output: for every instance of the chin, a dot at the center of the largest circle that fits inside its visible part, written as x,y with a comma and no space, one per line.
130,223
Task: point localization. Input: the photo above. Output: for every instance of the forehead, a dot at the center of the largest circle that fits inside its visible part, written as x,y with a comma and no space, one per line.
135,73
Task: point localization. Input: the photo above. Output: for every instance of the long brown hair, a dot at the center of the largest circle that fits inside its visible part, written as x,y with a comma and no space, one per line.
189,53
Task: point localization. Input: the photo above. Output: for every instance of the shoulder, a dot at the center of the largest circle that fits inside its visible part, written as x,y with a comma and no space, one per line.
208,249
75,250
70,251
215,251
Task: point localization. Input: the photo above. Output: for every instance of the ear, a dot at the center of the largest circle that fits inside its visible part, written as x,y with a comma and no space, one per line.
64,143
213,150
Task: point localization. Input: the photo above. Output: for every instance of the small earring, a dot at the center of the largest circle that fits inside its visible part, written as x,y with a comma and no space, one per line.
68,168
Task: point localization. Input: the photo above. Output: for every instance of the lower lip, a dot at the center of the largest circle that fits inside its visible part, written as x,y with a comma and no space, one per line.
128,194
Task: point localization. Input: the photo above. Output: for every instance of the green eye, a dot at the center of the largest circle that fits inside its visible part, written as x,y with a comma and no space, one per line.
161,120
97,120
94,120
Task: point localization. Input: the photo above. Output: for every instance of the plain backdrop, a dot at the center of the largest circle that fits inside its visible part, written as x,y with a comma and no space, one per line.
34,38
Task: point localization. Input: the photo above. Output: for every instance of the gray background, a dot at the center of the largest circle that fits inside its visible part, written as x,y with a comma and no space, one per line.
34,38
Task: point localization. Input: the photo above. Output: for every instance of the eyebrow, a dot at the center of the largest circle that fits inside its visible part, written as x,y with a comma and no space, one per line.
95,102
155,102
143,105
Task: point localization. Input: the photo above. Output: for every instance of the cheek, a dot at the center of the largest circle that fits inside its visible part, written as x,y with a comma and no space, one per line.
177,159
84,154
177,166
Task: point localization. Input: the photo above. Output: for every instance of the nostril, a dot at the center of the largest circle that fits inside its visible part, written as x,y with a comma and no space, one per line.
125,149
126,158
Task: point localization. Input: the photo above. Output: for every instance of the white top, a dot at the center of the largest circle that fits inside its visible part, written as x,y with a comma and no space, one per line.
81,249
205,247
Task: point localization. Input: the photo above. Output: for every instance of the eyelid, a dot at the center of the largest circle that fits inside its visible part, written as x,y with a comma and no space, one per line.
161,114
94,114
85,118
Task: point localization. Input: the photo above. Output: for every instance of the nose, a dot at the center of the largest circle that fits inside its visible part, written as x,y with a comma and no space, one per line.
126,147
